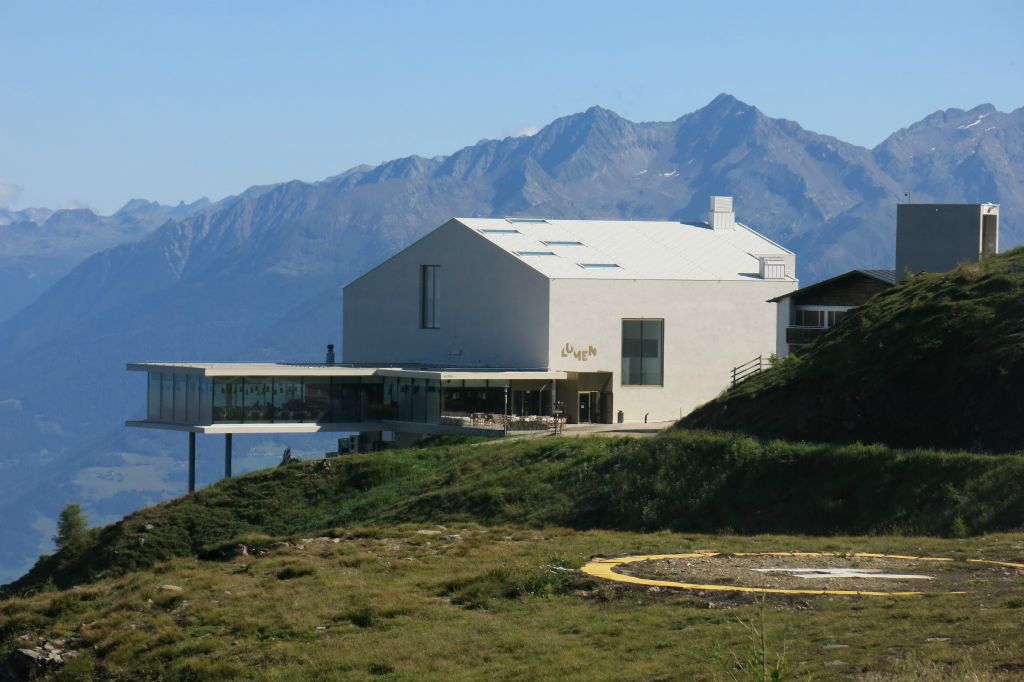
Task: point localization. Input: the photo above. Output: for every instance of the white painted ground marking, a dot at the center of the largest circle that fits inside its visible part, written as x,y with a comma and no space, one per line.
819,573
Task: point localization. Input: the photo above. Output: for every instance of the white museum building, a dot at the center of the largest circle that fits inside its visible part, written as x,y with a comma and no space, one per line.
488,320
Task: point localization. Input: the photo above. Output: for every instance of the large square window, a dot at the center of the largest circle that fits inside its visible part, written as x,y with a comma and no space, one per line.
643,358
429,275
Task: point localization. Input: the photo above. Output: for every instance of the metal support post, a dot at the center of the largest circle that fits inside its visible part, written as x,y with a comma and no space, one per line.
192,461
227,455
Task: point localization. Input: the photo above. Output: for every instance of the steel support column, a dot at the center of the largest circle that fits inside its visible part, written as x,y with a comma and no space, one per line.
227,455
192,462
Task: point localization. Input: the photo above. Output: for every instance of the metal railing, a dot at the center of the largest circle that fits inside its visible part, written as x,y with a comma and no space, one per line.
741,373
798,334
504,422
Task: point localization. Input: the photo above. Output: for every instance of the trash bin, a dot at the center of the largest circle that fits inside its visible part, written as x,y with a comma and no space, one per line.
621,416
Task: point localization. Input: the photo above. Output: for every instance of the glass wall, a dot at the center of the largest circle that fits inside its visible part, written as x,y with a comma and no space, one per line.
317,399
227,399
153,397
642,357
473,396
410,399
166,397
192,399
287,400
205,400
180,398
258,399
176,397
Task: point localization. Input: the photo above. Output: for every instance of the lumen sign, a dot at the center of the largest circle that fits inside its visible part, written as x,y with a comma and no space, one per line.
568,350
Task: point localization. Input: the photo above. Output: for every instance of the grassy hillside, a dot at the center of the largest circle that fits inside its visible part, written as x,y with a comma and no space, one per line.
467,602
684,481
935,362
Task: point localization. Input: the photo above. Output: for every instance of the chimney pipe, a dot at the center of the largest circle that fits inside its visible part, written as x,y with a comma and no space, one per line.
330,354
721,216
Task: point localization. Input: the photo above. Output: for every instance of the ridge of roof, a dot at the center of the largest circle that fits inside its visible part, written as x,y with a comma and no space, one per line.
629,249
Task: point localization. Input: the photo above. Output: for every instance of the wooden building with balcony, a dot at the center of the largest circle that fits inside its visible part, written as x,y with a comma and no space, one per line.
806,314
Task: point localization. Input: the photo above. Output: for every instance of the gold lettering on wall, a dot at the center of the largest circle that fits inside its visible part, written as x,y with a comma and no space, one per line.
582,354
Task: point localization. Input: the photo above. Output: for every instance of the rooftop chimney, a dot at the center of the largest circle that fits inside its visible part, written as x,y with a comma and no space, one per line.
721,216
330,354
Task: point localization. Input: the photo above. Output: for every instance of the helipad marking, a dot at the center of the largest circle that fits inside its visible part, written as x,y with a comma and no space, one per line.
605,568
822,573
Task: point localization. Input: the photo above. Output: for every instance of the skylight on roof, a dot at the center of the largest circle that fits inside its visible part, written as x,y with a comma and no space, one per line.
556,243
595,266
499,230
535,253
527,221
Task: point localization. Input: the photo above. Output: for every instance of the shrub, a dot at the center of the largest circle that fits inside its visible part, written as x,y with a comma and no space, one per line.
72,529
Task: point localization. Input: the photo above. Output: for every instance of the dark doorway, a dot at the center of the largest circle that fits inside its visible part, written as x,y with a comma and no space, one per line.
590,407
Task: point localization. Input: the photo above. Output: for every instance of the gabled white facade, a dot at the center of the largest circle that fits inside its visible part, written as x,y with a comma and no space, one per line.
559,295
492,312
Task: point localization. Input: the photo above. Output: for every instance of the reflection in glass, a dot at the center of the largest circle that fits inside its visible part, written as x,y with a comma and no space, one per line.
258,397
153,397
346,399
192,398
433,400
205,400
288,400
179,398
652,356
642,357
166,396
227,399
318,399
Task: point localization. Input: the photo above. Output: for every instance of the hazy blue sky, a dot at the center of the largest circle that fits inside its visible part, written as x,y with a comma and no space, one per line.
104,101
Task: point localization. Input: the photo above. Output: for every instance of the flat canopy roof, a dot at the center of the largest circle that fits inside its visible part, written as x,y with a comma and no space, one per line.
263,369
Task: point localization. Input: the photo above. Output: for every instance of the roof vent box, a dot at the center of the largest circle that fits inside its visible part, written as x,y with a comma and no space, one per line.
772,267
721,216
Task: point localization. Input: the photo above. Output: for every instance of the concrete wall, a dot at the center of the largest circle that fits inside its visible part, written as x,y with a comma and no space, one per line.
710,327
492,308
937,237
783,318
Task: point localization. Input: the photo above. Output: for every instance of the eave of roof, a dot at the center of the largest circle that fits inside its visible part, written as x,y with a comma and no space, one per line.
887,276
268,369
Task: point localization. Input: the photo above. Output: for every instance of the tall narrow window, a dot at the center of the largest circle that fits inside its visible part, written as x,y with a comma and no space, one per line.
429,275
642,357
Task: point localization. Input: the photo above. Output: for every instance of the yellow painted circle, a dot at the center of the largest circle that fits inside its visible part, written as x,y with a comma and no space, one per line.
605,568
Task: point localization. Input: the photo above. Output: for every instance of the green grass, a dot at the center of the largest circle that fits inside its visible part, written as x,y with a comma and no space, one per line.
458,562
934,362
683,481
470,602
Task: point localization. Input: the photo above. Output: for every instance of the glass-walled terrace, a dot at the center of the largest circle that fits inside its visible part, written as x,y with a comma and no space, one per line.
188,399
181,398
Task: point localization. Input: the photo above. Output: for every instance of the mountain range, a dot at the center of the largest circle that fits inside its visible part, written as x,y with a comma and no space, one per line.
257,276
39,246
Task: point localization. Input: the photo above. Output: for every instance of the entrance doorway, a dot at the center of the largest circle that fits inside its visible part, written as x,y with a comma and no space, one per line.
590,407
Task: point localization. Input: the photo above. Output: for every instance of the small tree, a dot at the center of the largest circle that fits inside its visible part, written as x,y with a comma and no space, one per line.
72,528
